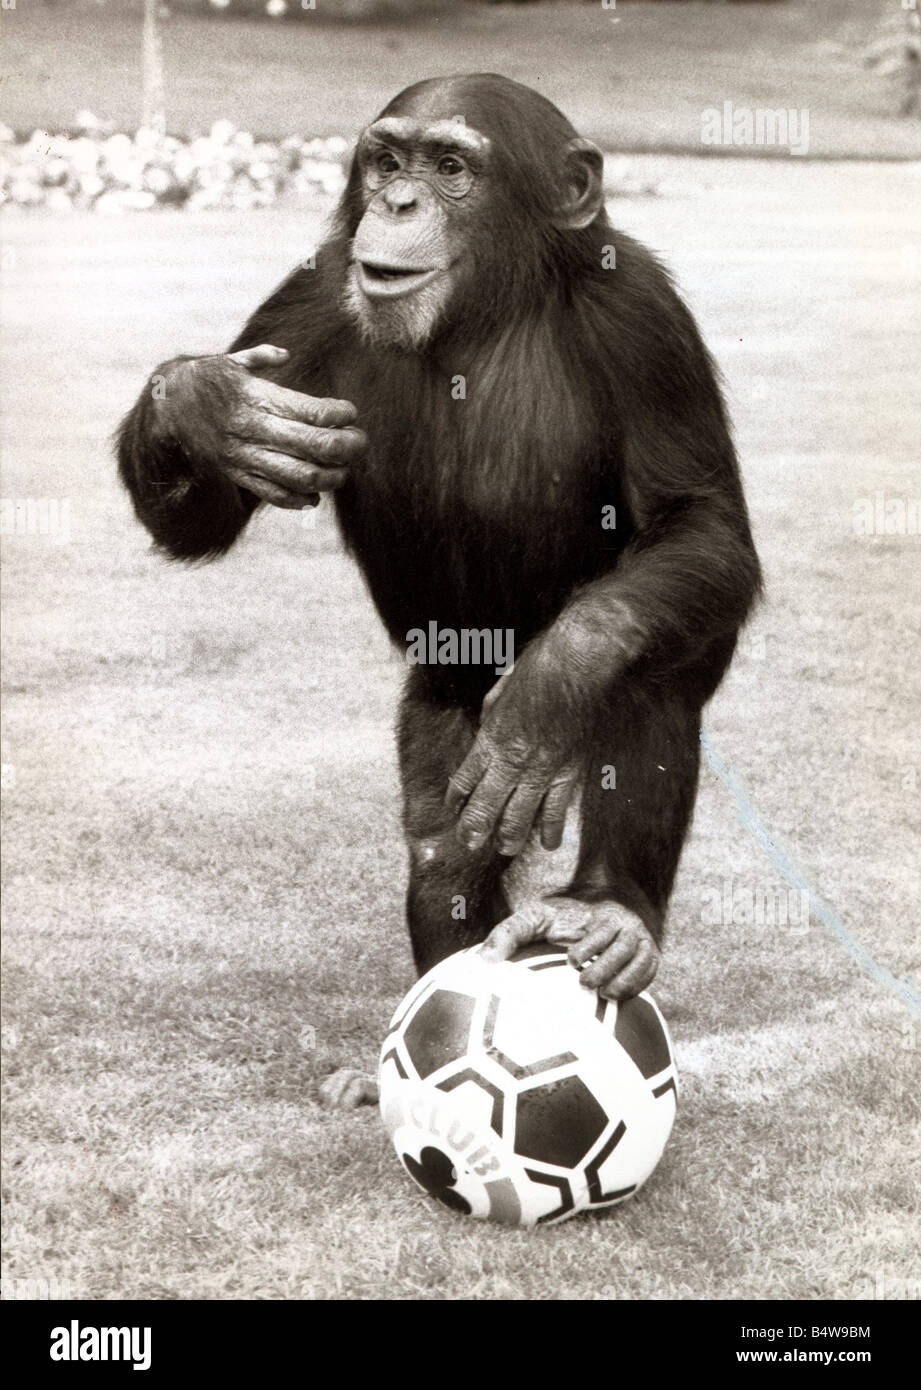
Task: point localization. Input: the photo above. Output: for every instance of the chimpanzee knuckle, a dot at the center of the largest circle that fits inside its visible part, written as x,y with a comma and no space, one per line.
573,919
644,962
258,485
323,445
496,757
612,989
240,476
511,843
551,834
561,787
308,479
636,975
515,828
553,816
316,413
462,783
518,752
475,820
593,976
534,778
329,479
271,491
595,939
501,941
475,823
584,948
518,818
215,368
520,930
505,939
353,442
237,456
532,917
327,413
341,446
239,421
630,935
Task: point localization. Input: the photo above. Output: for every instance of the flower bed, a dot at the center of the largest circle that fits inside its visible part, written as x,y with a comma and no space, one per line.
111,172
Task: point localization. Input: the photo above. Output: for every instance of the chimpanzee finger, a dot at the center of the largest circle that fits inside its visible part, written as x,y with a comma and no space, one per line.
528,924
467,776
612,959
595,941
636,975
331,447
289,474
517,819
484,807
301,441
255,358
494,692
324,412
268,491
553,811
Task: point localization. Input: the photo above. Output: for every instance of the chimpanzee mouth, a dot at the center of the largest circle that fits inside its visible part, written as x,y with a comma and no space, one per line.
380,281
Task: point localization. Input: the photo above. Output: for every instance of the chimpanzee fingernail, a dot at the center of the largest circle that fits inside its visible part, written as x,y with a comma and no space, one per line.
475,842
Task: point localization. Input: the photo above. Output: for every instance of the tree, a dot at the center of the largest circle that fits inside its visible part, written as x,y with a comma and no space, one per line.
153,114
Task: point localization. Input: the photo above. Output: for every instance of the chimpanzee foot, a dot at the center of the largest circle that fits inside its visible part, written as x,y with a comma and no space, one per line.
348,1088
608,943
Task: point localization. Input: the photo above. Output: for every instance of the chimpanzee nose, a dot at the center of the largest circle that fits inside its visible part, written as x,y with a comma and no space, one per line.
401,196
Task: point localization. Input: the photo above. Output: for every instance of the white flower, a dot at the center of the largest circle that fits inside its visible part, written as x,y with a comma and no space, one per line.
85,120
222,132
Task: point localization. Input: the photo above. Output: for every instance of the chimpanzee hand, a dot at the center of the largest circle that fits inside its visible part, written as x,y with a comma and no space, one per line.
282,445
610,944
508,780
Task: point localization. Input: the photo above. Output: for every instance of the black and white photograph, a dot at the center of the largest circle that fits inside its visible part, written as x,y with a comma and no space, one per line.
461,539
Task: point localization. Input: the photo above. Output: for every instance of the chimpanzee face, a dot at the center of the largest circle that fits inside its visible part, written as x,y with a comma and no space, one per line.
422,188
461,202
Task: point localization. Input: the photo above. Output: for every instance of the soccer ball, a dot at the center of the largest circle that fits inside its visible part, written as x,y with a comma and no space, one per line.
513,1093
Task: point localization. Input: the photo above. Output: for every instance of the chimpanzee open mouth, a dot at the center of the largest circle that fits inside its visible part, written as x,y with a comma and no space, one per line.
392,280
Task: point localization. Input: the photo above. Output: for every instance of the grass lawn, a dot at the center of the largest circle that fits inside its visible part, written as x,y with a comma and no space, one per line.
635,79
202,848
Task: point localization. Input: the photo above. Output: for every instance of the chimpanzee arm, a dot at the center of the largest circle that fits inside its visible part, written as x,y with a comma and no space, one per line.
681,588
687,576
210,437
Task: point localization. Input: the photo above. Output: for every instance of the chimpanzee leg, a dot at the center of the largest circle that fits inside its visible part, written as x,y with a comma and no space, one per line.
455,897
637,797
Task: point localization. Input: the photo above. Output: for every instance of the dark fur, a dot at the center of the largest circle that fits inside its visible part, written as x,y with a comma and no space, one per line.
585,387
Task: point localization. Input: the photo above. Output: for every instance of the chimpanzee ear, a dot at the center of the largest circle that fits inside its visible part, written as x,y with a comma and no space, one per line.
583,177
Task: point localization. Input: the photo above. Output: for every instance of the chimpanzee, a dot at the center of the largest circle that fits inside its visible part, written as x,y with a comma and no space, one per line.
524,433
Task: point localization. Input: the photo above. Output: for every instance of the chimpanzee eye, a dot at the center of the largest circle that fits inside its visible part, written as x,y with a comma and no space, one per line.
386,163
449,166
